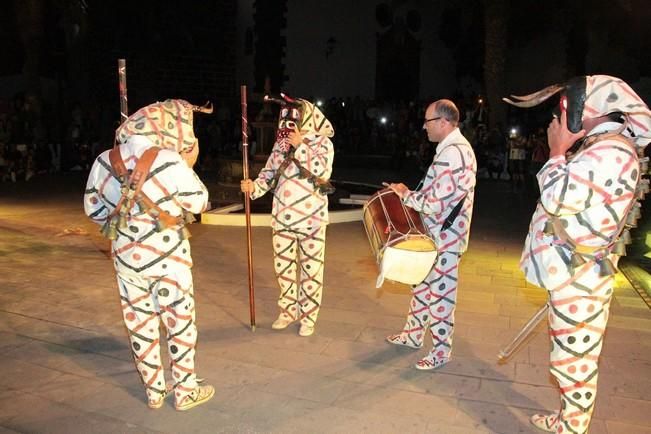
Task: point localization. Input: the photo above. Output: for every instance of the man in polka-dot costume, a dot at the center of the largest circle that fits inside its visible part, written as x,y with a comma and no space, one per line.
298,171
587,187
447,194
153,264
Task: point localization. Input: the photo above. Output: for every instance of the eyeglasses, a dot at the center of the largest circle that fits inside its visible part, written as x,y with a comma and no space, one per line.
433,119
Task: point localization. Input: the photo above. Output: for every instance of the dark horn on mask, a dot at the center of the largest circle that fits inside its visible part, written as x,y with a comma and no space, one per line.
206,108
268,98
535,98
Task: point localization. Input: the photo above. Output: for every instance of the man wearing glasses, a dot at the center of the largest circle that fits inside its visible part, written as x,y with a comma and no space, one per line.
445,201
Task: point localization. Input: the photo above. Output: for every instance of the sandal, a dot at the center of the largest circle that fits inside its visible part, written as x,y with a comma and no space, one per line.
397,340
198,396
430,362
157,403
545,422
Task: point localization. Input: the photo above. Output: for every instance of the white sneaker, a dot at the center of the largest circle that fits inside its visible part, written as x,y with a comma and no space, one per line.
306,330
281,322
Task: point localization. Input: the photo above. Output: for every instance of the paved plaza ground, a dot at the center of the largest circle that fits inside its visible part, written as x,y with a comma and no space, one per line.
67,368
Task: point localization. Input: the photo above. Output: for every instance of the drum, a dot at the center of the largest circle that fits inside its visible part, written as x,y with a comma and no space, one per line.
398,237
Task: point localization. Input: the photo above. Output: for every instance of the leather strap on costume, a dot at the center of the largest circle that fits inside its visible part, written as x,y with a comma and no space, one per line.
131,182
131,189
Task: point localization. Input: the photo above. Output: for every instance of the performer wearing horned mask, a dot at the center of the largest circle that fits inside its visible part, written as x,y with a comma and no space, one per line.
588,192
298,172
139,191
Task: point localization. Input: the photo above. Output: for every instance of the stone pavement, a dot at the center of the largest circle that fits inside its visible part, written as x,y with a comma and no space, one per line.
66,364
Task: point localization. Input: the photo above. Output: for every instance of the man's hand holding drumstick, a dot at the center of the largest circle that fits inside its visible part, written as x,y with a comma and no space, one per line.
399,189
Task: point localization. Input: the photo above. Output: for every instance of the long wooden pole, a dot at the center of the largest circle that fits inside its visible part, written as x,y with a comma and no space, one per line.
122,83
522,336
247,203
122,80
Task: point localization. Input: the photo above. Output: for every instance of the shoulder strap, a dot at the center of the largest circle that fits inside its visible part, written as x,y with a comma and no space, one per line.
117,163
453,214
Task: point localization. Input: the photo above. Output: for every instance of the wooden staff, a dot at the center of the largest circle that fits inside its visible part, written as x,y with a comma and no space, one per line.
122,80
247,203
522,336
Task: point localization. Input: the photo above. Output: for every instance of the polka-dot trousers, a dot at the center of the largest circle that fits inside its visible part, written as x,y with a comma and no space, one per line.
298,263
577,322
432,307
145,302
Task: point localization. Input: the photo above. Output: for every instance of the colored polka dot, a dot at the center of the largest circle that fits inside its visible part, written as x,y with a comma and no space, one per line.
93,200
136,257
574,422
571,369
444,236
605,221
462,224
130,316
144,373
573,308
591,308
584,368
136,346
171,322
287,193
311,246
552,270
441,331
440,309
174,349
440,354
308,205
618,160
571,339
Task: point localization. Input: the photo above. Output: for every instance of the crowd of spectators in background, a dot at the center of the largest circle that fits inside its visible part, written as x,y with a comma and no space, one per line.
33,143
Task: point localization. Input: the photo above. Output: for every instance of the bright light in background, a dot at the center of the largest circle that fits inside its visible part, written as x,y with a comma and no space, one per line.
513,132
383,120
319,103
343,104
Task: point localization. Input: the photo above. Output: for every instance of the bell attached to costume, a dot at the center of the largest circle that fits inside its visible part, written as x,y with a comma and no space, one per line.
644,165
631,220
576,260
626,237
619,248
549,227
109,229
606,267
188,217
184,233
